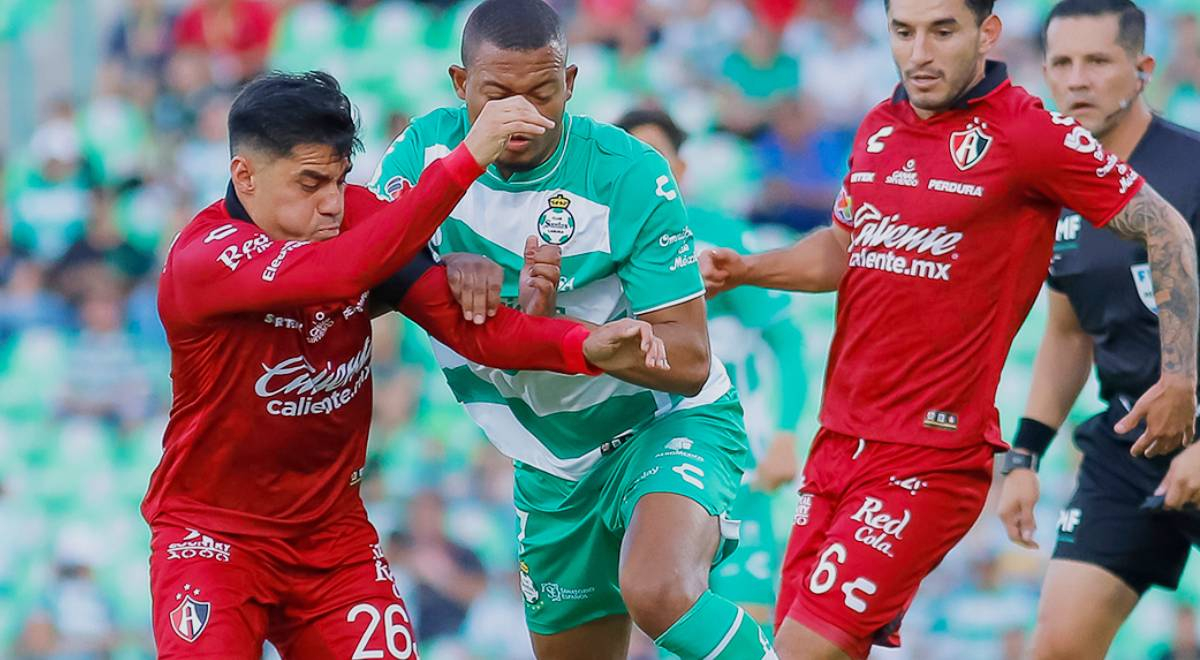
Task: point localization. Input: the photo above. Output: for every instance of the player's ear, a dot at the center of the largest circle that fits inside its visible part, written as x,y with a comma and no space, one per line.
989,32
572,71
241,172
458,76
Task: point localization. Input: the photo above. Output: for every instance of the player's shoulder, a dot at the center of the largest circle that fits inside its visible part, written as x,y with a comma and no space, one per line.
213,239
1018,105
613,155
881,117
439,122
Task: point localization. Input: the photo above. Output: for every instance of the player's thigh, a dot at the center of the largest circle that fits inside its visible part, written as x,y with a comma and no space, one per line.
208,596
606,638
1081,608
567,559
816,502
353,612
881,541
698,454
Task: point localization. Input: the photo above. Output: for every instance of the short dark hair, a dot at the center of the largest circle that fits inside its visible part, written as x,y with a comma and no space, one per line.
1131,31
650,117
981,8
512,25
279,111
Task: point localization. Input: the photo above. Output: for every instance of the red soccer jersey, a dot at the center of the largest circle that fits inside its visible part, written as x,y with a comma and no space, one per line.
953,222
271,349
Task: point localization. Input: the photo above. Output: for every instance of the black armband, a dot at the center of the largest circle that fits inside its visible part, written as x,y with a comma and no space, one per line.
1033,436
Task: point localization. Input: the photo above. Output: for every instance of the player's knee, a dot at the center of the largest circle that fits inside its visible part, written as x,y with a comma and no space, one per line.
797,642
1057,642
656,598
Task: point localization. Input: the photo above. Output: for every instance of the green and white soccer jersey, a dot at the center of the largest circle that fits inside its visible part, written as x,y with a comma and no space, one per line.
585,448
611,204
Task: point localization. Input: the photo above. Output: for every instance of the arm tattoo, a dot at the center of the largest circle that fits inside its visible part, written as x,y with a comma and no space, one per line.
1149,219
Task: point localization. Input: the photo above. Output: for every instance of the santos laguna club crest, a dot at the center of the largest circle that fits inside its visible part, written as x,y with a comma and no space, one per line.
969,147
556,225
190,617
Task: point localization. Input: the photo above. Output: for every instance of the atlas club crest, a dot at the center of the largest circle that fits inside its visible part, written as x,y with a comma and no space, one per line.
556,225
968,147
190,617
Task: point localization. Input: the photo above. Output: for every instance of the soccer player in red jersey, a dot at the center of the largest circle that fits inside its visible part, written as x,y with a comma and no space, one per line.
258,530
940,240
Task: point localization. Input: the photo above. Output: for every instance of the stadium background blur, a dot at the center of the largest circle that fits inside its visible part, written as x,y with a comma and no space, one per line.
112,134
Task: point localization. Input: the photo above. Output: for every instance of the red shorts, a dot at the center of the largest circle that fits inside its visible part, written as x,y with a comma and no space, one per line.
326,595
874,519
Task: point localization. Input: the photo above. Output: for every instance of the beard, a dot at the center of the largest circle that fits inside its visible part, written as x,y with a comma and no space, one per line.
958,86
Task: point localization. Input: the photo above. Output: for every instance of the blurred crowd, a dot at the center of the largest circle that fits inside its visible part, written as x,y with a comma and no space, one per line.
770,92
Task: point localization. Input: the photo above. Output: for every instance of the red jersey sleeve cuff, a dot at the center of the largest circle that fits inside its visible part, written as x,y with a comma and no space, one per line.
1129,195
573,357
462,166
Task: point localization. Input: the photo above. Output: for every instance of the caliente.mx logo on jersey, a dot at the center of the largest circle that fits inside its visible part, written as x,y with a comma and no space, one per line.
556,225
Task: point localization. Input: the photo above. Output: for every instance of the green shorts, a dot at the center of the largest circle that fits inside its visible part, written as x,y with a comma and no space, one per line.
570,531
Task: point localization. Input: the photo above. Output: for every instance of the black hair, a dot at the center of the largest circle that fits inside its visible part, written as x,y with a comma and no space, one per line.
981,8
279,111
1131,33
652,117
512,25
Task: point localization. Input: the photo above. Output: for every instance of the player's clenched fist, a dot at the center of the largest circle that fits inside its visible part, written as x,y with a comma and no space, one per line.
539,278
723,269
1017,499
625,344
498,121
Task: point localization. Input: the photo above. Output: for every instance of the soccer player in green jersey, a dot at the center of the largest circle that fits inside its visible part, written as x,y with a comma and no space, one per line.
762,348
622,483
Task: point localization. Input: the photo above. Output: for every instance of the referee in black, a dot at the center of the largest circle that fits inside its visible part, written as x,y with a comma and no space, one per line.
1110,547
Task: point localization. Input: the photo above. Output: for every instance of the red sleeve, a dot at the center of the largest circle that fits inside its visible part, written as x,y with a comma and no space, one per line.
237,268
1065,164
509,340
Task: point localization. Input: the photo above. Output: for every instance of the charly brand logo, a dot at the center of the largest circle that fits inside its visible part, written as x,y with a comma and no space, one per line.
556,225
305,383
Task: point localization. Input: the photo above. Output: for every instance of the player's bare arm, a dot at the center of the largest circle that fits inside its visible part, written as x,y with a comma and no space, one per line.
682,328
1060,371
815,263
1169,407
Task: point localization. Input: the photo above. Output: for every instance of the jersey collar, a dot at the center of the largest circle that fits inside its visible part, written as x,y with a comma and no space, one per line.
539,173
995,78
234,207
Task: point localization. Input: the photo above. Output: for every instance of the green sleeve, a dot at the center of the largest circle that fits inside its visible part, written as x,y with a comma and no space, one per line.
400,166
652,242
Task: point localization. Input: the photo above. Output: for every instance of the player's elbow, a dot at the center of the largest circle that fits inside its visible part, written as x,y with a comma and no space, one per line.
694,375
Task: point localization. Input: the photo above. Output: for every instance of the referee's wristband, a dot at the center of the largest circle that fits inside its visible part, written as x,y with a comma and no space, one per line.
1033,436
